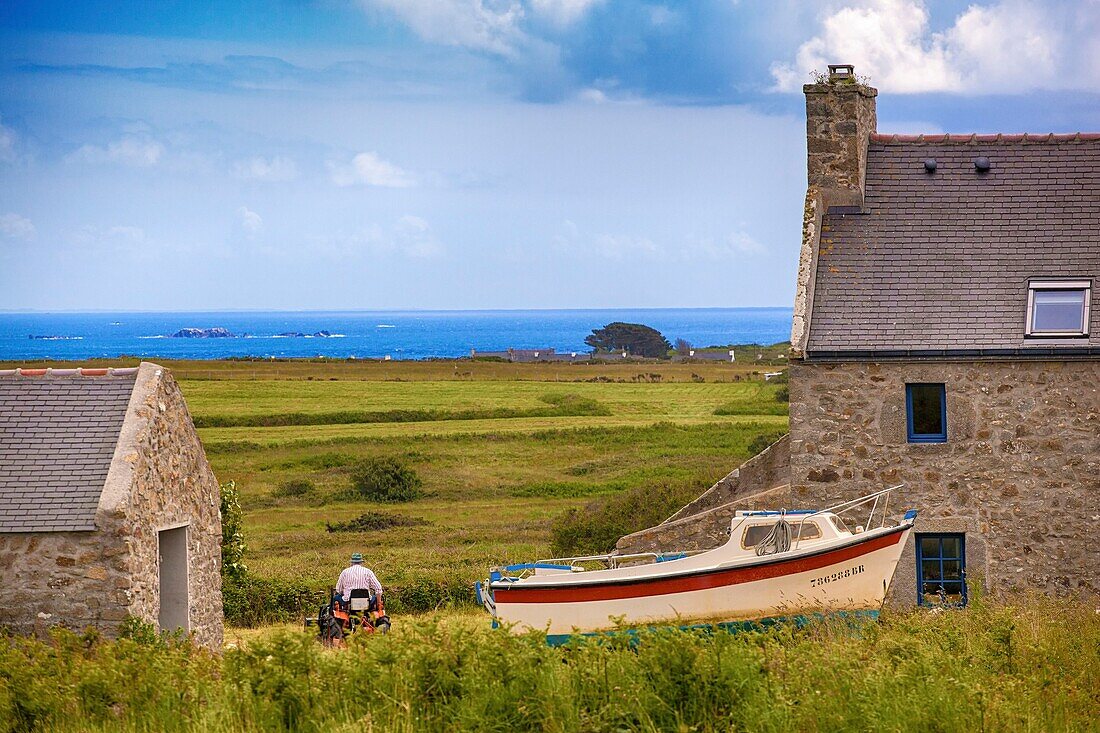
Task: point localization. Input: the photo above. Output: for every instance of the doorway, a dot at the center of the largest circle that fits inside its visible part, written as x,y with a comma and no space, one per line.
173,579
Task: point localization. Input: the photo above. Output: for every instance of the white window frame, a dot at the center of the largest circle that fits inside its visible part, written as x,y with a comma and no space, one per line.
1033,285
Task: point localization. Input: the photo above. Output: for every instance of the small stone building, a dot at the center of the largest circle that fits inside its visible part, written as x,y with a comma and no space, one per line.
946,336
108,506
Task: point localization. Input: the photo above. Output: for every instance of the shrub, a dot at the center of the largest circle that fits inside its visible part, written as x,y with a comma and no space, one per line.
373,521
598,526
385,479
295,487
233,546
250,601
783,394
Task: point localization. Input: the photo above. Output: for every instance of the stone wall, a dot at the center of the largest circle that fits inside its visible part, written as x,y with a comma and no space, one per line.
73,578
1019,473
705,522
160,479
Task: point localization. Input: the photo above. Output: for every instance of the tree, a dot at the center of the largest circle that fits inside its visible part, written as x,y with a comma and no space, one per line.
683,347
634,338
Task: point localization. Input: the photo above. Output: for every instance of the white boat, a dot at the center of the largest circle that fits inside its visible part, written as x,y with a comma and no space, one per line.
775,564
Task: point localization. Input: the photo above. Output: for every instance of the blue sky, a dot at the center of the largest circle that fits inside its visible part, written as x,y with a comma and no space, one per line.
468,153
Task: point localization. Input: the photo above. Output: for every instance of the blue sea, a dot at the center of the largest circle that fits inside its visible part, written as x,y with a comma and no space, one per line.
364,334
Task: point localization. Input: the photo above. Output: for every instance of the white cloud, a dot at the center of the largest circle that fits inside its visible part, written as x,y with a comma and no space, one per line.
124,238
369,169
619,247
1010,46
413,237
7,143
14,226
485,25
563,12
409,236
251,222
139,151
730,247
259,168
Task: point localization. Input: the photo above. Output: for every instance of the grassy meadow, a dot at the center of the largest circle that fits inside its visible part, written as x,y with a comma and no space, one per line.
501,449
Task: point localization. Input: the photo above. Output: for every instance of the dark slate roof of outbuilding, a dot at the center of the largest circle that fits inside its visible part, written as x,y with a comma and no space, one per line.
941,262
58,431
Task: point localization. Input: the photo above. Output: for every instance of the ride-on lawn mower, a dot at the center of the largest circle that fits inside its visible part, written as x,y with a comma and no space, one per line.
363,613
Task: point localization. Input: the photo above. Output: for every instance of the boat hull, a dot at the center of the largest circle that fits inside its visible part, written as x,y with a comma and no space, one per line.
853,576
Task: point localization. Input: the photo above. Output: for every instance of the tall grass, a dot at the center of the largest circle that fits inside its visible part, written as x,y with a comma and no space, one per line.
1029,666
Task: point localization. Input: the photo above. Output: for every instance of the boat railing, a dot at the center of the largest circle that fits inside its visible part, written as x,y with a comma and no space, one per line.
611,560
851,505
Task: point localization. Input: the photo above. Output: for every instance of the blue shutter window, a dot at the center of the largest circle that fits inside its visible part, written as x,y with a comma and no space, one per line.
941,569
926,413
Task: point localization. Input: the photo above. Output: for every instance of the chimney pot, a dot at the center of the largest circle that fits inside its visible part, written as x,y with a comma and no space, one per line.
841,72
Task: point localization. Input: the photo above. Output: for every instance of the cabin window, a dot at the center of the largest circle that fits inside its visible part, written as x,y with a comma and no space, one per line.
941,569
926,405
839,524
756,533
1058,307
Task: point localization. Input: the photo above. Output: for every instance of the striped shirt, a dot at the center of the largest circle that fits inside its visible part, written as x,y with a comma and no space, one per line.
355,577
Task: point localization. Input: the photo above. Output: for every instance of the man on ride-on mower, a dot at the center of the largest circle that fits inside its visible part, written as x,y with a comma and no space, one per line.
354,577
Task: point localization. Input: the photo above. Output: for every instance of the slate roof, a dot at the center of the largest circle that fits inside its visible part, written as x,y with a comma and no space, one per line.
58,430
940,263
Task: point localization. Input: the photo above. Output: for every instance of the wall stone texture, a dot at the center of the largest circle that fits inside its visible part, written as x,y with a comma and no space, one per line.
159,479
1019,473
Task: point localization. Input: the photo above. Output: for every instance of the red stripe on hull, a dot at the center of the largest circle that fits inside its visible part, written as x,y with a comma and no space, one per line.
701,581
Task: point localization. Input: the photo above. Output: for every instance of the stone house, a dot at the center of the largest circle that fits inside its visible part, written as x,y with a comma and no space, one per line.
946,336
108,506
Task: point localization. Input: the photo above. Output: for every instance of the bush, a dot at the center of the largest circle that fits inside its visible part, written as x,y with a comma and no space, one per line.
599,525
233,546
783,394
385,479
373,521
250,601
293,488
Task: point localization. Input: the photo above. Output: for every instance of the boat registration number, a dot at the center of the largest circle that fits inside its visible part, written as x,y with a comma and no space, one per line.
833,577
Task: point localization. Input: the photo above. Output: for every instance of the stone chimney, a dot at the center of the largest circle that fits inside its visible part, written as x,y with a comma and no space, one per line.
840,117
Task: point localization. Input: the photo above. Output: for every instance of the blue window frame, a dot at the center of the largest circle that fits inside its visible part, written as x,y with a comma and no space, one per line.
926,413
941,569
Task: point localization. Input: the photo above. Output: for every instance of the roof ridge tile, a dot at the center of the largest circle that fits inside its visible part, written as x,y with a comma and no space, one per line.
69,372
973,137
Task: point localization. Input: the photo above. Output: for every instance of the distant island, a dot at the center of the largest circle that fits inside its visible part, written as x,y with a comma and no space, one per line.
298,334
204,333
225,333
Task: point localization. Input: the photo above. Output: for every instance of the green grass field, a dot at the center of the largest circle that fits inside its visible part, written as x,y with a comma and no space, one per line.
502,449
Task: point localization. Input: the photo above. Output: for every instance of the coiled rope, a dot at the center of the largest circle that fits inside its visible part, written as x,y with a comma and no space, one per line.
777,541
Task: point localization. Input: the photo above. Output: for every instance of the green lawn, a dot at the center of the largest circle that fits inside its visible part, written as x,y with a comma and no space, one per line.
502,449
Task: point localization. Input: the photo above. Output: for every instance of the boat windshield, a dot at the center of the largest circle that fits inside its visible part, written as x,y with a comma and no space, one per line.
839,524
755,533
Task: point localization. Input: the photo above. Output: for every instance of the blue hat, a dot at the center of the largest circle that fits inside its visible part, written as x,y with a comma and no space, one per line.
356,557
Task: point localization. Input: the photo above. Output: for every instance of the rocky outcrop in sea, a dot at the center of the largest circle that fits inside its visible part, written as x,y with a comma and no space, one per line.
203,333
